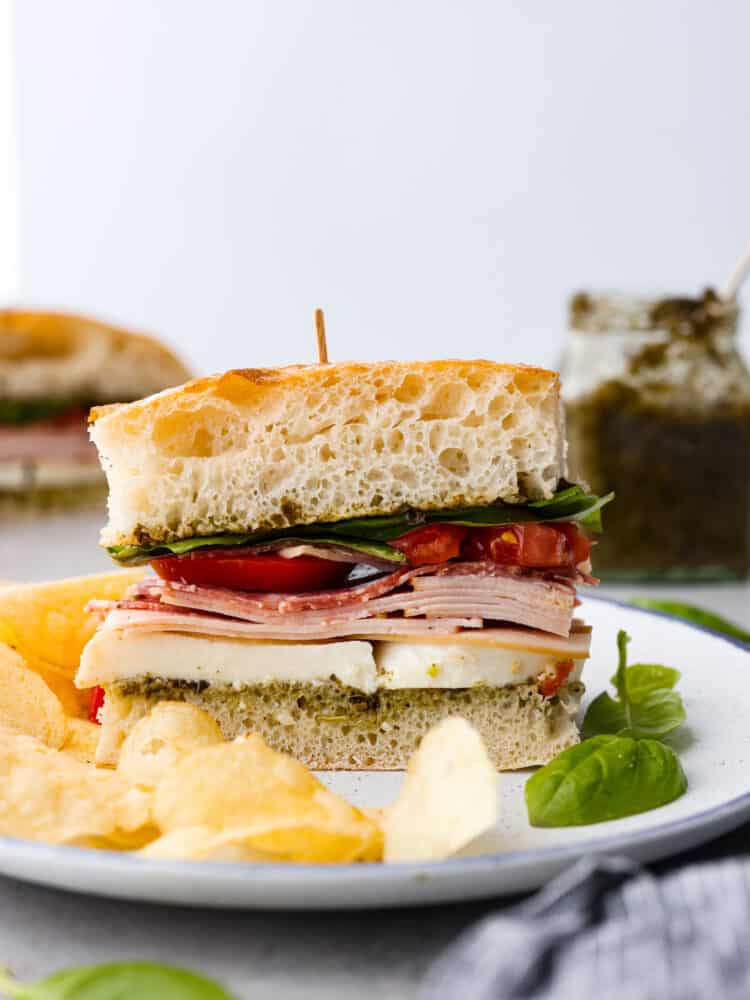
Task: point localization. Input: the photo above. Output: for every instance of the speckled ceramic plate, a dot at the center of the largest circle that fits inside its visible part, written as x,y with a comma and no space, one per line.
714,747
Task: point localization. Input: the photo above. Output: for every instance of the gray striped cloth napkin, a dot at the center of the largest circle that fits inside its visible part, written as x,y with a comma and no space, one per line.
606,930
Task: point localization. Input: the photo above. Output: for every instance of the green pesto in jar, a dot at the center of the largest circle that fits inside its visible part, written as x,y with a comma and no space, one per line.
658,409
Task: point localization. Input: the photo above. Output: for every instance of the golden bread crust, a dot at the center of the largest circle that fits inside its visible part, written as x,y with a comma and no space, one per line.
29,334
246,385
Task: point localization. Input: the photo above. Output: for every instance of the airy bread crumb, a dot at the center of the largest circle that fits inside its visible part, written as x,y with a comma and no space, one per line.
271,448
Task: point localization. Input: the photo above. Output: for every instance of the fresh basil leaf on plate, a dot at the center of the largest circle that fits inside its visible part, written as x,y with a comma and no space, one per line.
605,715
692,613
604,778
136,980
657,715
646,705
645,678
621,768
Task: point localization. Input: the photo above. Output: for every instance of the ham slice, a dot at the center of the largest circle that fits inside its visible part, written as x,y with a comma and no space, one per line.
282,603
59,440
125,616
290,630
468,591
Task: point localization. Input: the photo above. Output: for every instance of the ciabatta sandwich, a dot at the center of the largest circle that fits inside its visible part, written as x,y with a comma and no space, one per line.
345,554
53,367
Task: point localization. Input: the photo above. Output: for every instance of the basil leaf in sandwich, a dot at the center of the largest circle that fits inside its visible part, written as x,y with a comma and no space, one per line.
26,411
131,555
569,504
370,535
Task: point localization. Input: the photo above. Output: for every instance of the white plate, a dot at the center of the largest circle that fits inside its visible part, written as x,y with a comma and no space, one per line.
714,747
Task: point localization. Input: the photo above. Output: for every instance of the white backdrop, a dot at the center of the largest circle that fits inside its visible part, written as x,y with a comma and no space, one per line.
437,175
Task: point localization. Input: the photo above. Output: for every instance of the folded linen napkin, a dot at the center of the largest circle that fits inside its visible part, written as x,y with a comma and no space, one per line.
606,930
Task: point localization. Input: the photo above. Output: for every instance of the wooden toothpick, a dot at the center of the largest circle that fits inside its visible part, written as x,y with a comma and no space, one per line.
732,286
320,329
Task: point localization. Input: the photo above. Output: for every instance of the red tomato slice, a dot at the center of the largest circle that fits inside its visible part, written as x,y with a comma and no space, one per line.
241,569
76,416
95,703
435,543
550,683
578,542
543,546
500,545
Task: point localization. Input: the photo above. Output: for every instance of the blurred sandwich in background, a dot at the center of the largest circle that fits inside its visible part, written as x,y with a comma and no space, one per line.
53,368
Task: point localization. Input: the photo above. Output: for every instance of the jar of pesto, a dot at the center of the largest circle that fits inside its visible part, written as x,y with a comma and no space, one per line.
657,401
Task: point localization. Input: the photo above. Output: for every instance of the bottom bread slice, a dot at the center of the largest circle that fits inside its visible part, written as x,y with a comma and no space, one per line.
329,726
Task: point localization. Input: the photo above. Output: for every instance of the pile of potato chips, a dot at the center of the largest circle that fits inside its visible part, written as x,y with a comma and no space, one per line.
180,790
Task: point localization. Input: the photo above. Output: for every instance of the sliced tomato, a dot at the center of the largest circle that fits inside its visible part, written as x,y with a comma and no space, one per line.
544,546
551,682
580,545
435,543
95,703
500,545
74,417
242,569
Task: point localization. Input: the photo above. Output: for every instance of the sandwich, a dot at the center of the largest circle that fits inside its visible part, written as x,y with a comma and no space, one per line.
53,367
345,554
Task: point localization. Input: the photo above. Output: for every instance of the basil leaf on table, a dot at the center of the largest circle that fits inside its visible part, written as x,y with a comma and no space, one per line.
604,778
646,706
136,980
692,613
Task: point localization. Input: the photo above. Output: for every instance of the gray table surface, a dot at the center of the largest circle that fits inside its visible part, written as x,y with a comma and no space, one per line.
379,954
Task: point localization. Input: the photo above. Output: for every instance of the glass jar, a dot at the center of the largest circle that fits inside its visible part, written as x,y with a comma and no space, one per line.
657,400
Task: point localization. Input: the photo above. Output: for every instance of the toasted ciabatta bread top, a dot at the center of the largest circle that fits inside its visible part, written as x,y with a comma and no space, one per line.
272,448
48,355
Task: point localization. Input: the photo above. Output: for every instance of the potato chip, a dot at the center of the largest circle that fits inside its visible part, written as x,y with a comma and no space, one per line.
74,701
340,839
118,841
26,703
49,795
311,843
46,622
230,784
201,843
247,785
448,798
81,739
171,730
